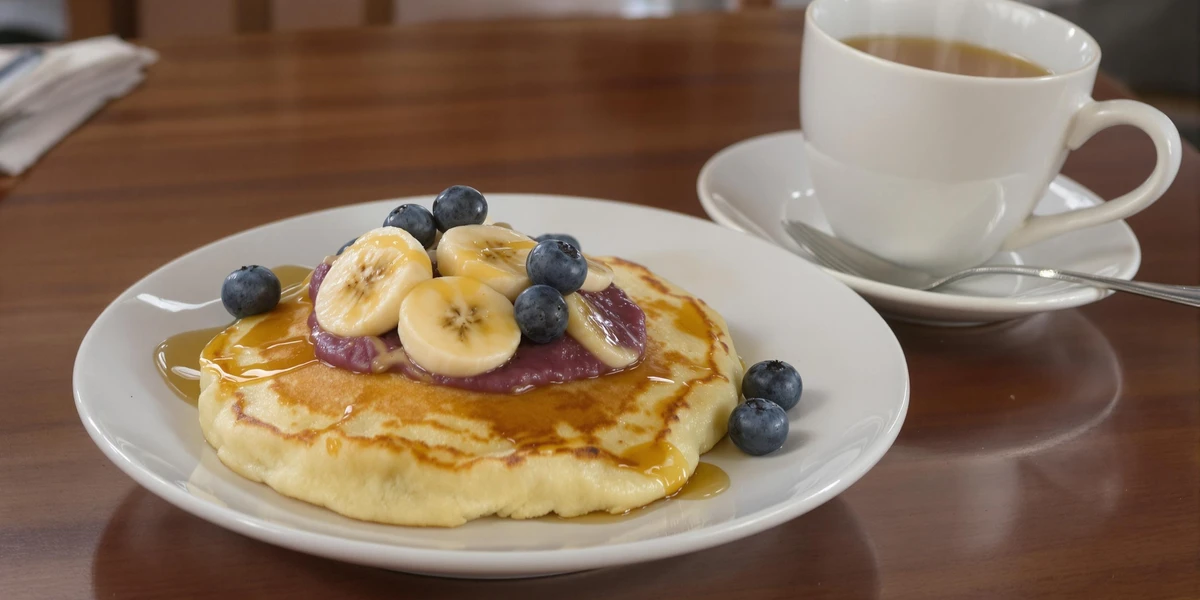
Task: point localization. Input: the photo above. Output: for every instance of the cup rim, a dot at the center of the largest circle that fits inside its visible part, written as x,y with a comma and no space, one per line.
1090,64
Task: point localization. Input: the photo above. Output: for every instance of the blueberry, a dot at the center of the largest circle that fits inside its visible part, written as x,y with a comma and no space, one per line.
415,219
250,291
459,205
758,426
566,237
541,313
773,380
557,264
346,245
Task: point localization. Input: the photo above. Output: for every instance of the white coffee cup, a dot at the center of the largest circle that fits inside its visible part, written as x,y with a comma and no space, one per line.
940,171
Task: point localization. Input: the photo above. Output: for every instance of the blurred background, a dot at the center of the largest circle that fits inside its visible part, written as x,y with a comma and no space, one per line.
1151,45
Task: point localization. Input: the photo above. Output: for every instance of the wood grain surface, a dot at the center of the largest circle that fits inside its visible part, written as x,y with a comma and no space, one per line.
1054,457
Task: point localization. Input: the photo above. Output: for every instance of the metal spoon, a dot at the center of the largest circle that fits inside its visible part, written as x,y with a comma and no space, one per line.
846,258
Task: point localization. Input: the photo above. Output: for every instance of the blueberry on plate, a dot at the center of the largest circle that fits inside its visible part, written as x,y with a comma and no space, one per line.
566,237
346,245
557,264
250,291
773,380
416,220
459,205
541,313
758,426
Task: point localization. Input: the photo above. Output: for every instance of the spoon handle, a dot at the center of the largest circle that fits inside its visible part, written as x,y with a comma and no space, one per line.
1180,294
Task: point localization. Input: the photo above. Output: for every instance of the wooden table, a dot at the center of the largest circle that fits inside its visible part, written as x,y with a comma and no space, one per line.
1055,457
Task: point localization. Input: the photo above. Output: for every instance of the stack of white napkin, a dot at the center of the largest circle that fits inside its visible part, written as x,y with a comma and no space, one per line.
47,93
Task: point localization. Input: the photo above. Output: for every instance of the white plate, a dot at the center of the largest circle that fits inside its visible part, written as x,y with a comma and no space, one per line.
766,179
777,305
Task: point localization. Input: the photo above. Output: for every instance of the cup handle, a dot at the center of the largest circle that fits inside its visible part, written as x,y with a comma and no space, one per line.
1091,118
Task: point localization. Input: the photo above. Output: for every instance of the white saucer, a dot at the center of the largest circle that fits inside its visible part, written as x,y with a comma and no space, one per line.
767,180
777,306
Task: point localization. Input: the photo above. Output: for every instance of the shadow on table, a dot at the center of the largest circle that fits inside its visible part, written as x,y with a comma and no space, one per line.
152,549
1018,387
1018,419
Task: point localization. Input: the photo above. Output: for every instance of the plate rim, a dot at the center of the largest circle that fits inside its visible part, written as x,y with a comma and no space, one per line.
1070,297
466,561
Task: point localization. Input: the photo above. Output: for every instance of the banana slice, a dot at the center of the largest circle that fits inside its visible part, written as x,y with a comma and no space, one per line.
362,292
599,276
491,221
487,253
432,250
457,326
587,327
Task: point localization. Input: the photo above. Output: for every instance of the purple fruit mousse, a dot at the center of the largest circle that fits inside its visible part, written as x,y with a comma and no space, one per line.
533,365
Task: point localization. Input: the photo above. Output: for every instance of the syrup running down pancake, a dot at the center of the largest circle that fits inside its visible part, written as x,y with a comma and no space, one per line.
384,447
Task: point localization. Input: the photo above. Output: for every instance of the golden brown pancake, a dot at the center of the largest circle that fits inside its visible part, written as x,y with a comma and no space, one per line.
390,449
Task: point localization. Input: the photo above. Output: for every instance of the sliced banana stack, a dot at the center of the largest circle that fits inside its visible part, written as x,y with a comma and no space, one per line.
487,253
588,328
362,293
457,326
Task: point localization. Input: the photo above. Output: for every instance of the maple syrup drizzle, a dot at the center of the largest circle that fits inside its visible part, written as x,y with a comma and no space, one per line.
660,460
279,340
178,357
707,481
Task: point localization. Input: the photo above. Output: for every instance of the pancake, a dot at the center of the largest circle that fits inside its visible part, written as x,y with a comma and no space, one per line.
386,448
